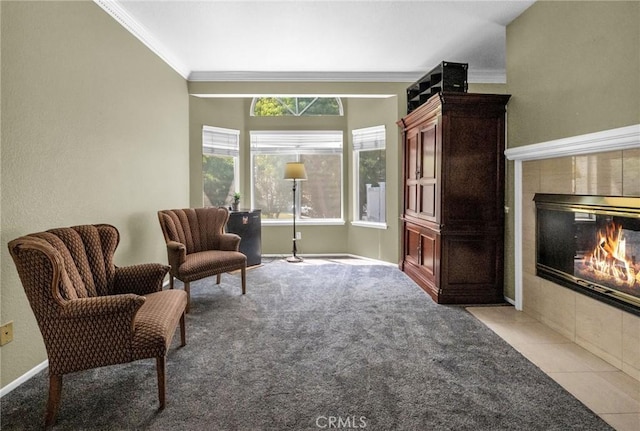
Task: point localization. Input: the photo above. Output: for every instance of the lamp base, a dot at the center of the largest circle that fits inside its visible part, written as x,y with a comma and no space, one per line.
294,259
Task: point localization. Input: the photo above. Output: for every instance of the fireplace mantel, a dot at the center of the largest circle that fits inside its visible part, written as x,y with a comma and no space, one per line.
622,138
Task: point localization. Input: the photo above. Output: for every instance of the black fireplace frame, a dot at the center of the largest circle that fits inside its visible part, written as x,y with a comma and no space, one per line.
616,206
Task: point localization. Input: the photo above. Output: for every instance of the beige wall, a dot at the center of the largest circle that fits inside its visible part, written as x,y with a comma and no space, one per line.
572,68
95,129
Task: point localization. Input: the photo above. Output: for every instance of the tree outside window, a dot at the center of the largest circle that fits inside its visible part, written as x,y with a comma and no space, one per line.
295,106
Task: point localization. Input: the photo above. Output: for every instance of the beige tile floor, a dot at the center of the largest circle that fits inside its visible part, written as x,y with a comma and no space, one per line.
610,393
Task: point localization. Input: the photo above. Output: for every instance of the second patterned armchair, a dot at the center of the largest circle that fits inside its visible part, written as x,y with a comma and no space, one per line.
199,247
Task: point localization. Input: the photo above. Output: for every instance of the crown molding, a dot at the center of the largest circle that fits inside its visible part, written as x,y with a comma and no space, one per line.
117,12
622,138
479,76
240,76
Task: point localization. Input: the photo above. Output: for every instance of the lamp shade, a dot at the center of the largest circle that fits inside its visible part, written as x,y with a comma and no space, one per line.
295,171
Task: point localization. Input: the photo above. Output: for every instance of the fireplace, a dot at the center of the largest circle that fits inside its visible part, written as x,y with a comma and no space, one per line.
591,244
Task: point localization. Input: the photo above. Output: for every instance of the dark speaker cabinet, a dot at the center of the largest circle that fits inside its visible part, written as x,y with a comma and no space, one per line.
446,76
248,226
453,216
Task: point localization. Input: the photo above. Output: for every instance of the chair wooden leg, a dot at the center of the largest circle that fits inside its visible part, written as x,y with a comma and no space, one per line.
183,332
55,392
244,279
187,288
161,363
170,281
218,278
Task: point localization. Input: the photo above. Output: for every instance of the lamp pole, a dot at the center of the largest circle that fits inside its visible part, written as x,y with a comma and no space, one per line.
294,171
294,258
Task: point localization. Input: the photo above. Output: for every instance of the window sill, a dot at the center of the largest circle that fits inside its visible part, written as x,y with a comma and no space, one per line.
303,222
369,224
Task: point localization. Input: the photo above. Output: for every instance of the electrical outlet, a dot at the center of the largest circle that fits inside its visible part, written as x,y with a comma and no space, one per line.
298,235
6,333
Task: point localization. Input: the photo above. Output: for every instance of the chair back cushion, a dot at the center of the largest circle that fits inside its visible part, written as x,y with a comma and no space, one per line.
82,256
199,229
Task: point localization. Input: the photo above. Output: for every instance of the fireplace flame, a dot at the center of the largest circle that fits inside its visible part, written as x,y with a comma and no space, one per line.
608,260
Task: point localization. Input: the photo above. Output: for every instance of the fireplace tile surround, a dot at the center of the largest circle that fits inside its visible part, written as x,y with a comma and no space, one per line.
608,332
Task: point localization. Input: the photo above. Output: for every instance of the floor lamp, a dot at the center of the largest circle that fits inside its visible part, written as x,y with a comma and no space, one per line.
294,171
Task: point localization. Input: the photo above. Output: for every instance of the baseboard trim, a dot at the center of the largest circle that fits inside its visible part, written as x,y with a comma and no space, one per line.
23,378
510,301
329,256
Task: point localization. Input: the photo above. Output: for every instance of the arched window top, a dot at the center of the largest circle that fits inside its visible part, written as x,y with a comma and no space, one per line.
295,106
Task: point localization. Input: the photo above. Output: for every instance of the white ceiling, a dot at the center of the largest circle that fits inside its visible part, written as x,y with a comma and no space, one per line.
360,40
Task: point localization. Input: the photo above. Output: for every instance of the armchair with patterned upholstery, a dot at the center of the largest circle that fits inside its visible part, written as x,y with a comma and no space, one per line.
199,247
90,312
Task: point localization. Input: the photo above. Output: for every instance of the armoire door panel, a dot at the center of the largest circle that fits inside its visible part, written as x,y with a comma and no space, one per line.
429,152
422,252
428,193
411,202
412,164
428,201
429,254
412,246
411,173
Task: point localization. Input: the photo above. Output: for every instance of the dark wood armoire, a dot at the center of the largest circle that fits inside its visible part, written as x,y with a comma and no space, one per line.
453,216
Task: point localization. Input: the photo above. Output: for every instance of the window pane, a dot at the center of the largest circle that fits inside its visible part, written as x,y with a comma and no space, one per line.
218,180
321,193
372,185
319,197
271,193
324,106
295,106
269,107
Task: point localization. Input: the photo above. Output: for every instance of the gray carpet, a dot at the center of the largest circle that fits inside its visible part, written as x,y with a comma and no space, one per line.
316,346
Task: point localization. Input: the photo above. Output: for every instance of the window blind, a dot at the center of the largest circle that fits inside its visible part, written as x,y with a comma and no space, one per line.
369,138
298,142
220,141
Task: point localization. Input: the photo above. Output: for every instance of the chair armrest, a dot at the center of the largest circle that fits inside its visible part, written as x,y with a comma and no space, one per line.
113,306
177,254
139,279
92,332
229,242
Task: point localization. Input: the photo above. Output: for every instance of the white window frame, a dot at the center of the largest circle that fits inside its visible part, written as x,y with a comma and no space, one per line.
297,143
366,139
219,141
